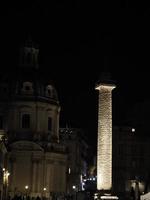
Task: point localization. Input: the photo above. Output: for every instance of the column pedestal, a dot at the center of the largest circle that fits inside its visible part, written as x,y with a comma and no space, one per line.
105,196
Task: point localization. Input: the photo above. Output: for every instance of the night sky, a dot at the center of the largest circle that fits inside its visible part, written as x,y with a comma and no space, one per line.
73,38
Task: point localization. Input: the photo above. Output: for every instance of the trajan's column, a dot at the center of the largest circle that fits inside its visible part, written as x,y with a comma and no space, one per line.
104,141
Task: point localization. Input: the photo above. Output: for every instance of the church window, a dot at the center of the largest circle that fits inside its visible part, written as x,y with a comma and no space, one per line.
49,123
69,170
27,88
49,91
25,121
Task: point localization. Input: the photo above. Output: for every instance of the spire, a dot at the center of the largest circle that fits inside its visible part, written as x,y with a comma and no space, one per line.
29,54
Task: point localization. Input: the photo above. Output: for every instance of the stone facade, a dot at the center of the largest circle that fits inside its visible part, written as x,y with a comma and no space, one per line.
3,166
29,114
77,149
42,172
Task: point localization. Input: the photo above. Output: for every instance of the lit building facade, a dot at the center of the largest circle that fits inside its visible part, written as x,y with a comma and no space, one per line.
29,114
4,174
77,149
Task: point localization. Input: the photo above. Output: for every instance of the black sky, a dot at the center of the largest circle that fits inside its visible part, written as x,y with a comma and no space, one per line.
74,37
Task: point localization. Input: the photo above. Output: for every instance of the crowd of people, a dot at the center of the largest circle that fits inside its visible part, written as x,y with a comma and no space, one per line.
53,197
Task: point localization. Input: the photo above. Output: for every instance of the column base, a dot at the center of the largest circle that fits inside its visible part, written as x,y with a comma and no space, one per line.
103,196
108,197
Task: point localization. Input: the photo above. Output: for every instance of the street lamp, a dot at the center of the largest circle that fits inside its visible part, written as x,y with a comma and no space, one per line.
75,191
73,187
26,189
44,193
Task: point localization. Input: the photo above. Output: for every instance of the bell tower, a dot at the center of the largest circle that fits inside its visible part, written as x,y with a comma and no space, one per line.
29,55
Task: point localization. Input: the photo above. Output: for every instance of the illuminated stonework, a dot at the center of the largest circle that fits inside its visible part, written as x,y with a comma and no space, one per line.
104,143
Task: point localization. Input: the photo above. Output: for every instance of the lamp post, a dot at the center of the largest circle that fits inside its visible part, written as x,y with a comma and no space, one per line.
74,187
26,191
44,193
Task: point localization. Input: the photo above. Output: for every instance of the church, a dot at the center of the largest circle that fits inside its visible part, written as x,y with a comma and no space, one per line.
29,122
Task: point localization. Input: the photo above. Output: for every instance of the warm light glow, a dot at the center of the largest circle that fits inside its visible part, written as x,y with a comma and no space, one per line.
109,197
26,187
95,195
69,170
133,130
5,176
104,143
44,189
73,187
145,196
105,197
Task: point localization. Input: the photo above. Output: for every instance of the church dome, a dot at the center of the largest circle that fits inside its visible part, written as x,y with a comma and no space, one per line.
26,80
29,106
31,88
27,87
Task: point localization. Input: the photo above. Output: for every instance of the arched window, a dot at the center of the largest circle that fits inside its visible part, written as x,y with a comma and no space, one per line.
27,88
49,91
25,121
